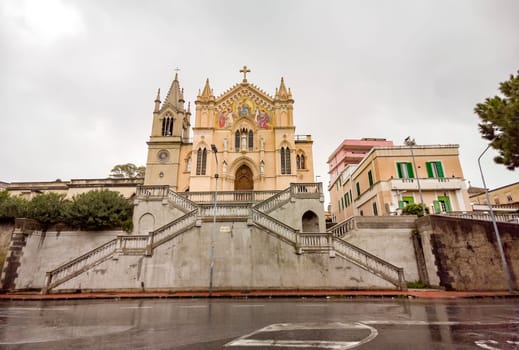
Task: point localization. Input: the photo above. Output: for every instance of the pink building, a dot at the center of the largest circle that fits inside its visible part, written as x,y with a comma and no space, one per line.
352,152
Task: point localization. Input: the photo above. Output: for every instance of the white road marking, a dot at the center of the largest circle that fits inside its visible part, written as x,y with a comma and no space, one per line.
247,340
483,344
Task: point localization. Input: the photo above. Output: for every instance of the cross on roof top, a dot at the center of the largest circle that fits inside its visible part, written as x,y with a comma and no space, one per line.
244,70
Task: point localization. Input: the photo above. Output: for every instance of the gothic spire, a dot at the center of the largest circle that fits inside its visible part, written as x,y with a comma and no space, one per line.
175,96
282,93
207,93
157,102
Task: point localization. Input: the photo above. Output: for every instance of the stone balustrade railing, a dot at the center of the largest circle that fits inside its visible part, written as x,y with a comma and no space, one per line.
228,196
274,201
152,192
342,228
371,263
510,218
181,202
285,232
314,241
132,244
79,264
168,231
227,210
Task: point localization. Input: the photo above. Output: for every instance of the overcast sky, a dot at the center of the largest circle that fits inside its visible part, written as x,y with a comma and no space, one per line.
78,78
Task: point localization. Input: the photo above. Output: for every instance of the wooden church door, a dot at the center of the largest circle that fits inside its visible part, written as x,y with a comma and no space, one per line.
243,180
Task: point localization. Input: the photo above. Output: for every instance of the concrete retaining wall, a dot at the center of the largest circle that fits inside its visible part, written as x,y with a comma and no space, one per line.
245,258
463,254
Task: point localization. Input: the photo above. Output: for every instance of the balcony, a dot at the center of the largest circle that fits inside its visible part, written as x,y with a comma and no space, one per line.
428,184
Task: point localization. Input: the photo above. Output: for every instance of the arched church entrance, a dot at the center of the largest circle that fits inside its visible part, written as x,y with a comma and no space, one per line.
243,179
310,222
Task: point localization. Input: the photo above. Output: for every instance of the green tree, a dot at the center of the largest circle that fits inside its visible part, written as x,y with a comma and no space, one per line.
127,170
11,207
414,209
99,210
47,208
500,122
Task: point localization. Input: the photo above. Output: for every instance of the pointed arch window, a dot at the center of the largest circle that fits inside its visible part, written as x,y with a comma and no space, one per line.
285,161
300,161
244,140
237,141
201,161
251,141
167,125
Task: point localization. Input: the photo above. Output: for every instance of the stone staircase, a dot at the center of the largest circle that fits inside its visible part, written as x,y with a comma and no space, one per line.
247,209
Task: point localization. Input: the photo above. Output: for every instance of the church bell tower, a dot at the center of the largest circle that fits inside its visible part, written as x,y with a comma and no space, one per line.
170,130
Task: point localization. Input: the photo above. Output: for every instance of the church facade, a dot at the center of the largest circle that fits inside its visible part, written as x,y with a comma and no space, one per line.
244,135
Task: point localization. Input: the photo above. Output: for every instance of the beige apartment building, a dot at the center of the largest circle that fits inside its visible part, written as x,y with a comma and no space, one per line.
387,179
501,196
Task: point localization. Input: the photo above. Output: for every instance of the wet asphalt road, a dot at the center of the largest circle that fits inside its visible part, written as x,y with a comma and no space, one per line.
253,324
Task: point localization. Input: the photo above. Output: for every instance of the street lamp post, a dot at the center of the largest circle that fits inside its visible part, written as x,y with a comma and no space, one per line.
496,230
213,231
411,142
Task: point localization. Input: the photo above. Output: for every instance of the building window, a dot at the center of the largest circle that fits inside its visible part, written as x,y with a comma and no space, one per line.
167,126
300,161
434,170
509,198
251,141
405,201
201,161
244,140
405,170
375,210
237,140
442,204
357,185
285,161
370,179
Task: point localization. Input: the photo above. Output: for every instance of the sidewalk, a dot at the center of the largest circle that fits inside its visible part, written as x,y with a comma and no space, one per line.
412,293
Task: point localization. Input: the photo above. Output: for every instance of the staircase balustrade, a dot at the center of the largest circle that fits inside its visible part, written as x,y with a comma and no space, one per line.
371,263
314,241
170,230
284,231
80,264
225,210
152,192
181,202
274,201
132,245
342,228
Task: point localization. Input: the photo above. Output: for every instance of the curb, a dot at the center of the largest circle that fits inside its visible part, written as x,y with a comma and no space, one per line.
419,294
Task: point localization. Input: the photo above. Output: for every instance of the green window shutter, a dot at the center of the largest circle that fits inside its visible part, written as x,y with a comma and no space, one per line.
437,207
439,168
399,170
370,178
410,170
409,200
428,165
358,189
401,204
448,206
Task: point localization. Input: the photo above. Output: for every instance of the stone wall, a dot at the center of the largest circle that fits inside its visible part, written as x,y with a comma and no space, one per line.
462,254
245,258
6,229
